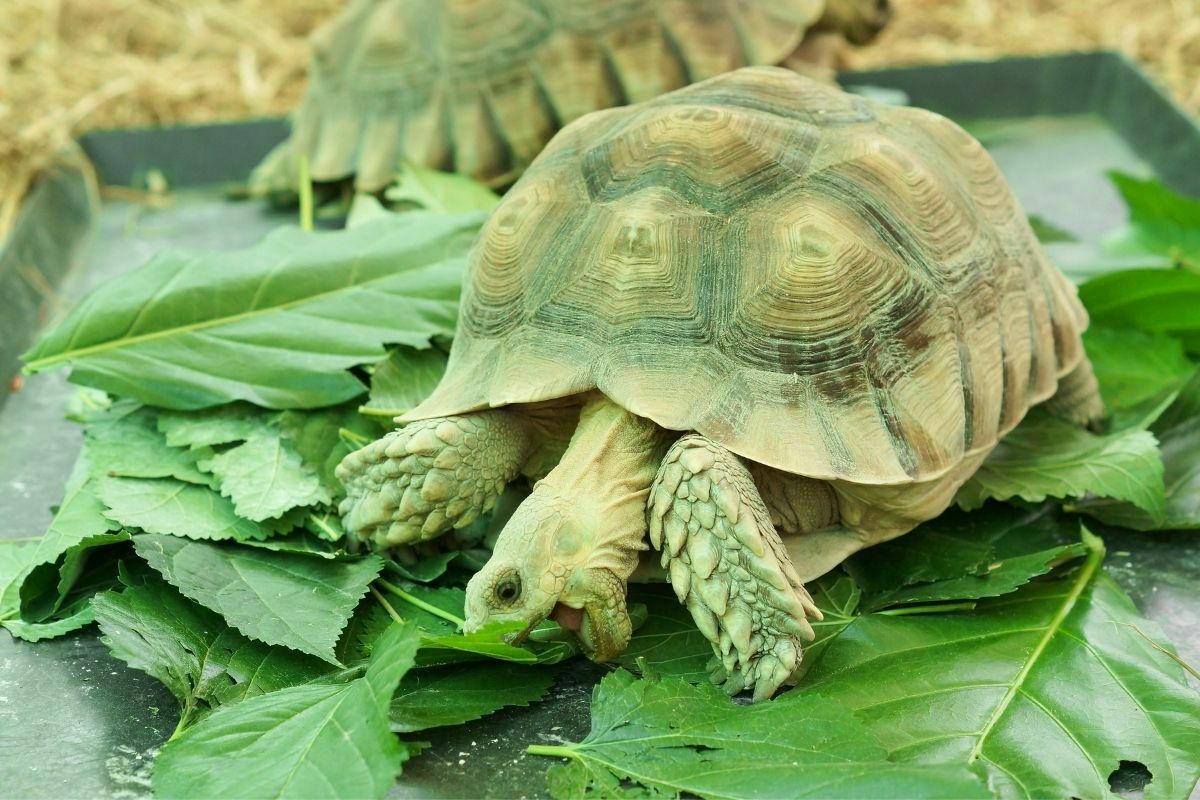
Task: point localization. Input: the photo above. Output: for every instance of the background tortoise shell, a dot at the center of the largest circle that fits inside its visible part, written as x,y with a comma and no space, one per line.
821,284
479,86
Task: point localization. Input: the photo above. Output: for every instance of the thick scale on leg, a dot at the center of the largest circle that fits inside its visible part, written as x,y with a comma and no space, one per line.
433,475
728,565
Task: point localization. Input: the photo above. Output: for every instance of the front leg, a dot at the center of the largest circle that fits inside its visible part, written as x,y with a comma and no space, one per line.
728,565
420,481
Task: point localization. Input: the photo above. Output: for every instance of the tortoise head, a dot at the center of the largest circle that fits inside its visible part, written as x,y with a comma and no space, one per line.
860,21
542,567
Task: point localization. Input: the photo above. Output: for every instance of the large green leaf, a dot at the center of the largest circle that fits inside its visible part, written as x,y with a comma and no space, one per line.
277,324
1179,432
961,556
289,599
1155,300
1046,457
202,429
62,587
316,740
14,565
1139,373
1161,221
316,436
668,736
669,643
124,440
204,662
406,378
174,507
79,516
432,698
265,477
444,192
1049,688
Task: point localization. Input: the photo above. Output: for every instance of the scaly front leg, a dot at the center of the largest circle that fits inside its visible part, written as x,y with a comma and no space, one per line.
728,565
424,479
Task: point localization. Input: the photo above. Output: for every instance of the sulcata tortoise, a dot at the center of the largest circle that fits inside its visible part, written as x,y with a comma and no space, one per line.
763,321
479,86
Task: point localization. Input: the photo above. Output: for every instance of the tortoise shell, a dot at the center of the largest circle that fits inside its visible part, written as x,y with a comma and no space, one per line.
821,284
479,86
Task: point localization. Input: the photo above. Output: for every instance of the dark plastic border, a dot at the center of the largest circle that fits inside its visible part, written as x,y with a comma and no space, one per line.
1103,83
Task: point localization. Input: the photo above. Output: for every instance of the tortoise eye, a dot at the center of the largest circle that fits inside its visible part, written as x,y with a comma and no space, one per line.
509,589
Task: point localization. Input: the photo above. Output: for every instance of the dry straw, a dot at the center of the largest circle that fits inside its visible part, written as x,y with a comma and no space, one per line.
70,65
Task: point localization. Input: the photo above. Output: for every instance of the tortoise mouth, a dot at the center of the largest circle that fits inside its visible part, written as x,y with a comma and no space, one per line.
569,618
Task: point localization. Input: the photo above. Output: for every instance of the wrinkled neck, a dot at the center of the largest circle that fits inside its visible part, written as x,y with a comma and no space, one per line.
602,482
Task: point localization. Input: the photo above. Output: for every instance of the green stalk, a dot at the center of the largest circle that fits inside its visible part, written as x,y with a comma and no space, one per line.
305,192
330,533
1095,555
421,604
932,608
387,606
551,750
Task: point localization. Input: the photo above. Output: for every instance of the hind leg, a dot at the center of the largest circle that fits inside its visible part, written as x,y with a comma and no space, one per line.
1078,397
728,565
422,480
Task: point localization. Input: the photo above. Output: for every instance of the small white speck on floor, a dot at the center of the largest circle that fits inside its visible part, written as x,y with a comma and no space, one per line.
462,761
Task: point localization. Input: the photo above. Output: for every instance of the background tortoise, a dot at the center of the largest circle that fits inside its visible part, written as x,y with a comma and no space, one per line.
479,86
756,306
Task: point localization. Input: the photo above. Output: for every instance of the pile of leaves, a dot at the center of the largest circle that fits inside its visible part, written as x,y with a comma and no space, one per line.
987,653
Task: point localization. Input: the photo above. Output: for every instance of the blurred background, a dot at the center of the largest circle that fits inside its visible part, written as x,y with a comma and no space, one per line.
67,66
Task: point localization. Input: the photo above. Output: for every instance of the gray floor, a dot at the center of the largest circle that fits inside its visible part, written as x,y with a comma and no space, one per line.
76,723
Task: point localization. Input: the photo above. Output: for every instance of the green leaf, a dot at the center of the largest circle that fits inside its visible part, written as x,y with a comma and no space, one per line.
669,643
1049,689
176,508
1046,457
1139,373
80,515
433,698
672,737
288,599
277,324
204,428
1049,233
961,556
425,569
60,588
404,380
1160,220
204,662
37,631
125,441
265,477
1155,300
443,192
316,436
14,565
316,740
1178,430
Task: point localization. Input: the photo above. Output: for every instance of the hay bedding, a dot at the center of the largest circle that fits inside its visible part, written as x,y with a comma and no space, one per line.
70,65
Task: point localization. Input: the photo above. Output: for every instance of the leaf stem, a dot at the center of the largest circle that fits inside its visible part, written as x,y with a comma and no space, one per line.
305,192
330,533
387,606
8,615
932,608
551,750
421,604
21,539
185,714
1095,555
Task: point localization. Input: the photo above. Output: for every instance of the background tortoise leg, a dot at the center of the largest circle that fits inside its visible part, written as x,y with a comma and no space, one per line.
420,481
1078,397
728,565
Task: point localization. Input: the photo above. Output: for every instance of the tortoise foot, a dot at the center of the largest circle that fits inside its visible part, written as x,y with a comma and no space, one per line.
727,564
433,475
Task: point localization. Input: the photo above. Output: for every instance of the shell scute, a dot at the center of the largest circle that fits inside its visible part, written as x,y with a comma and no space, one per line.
824,285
